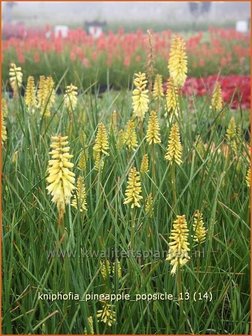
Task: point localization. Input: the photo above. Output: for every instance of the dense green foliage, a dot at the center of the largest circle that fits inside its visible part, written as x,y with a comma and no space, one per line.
209,179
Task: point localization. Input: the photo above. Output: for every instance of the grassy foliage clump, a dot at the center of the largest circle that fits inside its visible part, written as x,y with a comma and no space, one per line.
143,188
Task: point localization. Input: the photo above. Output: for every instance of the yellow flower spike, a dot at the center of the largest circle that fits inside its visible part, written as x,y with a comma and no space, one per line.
117,269
50,95
231,130
158,91
249,177
153,129
172,102
82,164
199,228
144,168
60,177
4,107
149,208
134,189
140,99
108,268
101,141
70,97
217,101
4,112
130,136
105,269
80,199
30,94
98,161
3,129
41,91
91,326
46,95
174,148
232,133
16,77
178,245
107,314
177,63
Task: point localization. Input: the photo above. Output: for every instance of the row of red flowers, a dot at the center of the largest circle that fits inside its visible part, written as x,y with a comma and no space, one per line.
221,51
208,53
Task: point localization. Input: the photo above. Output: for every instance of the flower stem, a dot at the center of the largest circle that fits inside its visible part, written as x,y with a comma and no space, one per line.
153,165
180,300
133,228
173,181
61,226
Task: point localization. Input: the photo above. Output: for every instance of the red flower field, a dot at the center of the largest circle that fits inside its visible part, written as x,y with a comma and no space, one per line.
120,55
235,89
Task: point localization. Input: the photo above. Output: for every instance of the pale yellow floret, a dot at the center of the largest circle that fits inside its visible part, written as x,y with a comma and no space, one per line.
79,200
217,101
16,77
46,95
248,177
107,314
232,134
130,136
153,129
91,326
149,208
178,246
174,148
101,141
140,99
117,269
30,94
172,102
134,189
158,91
177,63
3,128
70,97
105,269
60,178
199,228
144,168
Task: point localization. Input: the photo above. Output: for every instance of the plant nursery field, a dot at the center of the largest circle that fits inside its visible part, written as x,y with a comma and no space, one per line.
126,210
113,58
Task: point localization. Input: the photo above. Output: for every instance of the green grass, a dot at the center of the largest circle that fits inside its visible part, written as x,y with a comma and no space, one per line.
206,180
